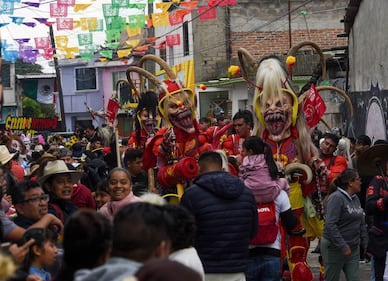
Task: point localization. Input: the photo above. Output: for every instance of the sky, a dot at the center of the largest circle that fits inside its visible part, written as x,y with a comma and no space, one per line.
13,31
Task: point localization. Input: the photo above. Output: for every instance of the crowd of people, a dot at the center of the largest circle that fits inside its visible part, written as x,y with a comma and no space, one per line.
63,227
240,200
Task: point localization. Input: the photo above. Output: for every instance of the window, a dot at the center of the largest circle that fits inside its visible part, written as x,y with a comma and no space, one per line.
6,75
85,79
116,76
186,48
162,51
171,55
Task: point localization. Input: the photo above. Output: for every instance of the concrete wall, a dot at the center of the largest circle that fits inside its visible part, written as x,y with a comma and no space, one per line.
368,69
368,52
209,39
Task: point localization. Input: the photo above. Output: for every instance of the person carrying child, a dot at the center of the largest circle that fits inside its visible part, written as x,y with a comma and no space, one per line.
260,173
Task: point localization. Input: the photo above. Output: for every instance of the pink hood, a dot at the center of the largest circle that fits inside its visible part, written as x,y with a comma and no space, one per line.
255,174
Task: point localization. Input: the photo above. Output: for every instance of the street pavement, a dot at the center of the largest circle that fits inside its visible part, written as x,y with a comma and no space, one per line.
312,260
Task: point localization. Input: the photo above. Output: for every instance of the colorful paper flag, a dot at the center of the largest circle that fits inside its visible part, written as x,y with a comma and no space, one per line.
107,53
160,19
64,23
173,40
58,11
6,8
66,2
124,53
113,34
207,13
42,42
313,106
61,41
136,21
85,39
17,20
110,10
120,3
81,7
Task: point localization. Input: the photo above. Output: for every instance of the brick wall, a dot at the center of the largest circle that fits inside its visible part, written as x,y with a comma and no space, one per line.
265,43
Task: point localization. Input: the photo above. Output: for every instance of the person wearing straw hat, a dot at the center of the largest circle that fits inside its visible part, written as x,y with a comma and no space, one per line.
58,180
9,176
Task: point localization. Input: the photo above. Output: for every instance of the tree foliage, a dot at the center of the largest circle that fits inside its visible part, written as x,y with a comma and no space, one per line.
31,108
22,68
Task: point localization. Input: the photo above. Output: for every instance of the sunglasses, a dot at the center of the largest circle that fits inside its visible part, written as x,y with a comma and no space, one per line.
44,198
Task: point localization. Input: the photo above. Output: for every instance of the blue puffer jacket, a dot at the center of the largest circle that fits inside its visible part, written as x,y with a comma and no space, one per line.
226,216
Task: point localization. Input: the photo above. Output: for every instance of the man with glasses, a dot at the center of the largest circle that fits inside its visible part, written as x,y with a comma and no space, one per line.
31,204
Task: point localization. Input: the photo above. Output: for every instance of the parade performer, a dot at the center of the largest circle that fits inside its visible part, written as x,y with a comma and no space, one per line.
146,114
284,128
176,146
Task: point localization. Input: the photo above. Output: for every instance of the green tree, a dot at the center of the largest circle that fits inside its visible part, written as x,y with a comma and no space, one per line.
23,68
31,108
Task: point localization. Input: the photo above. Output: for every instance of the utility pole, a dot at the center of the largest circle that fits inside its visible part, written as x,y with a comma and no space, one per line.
289,24
58,80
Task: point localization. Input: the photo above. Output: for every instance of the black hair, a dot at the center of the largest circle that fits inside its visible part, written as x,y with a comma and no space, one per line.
102,185
138,230
132,154
149,102
210,158
258,146
380,141
246,115
332,136
87,239
346,176
182,229
41,236
363,140
21,188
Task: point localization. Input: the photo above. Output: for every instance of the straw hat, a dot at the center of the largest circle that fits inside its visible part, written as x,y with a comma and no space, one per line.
372,161
57,167
5,156
33,168
38,148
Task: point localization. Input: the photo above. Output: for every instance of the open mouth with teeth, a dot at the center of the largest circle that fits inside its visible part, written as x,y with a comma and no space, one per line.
66,193
183,120
118,194
277,122
149,125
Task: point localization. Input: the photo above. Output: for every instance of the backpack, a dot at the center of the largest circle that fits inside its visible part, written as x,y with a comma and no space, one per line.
268,228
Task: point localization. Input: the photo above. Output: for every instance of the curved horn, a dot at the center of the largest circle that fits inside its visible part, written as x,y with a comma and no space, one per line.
171,75
292,167
142,73
244,54
293,50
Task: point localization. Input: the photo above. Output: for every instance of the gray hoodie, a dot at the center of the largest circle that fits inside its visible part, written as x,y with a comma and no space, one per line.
345,221
115,269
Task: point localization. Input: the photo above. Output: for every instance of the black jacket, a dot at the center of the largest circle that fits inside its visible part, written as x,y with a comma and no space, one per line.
226,216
